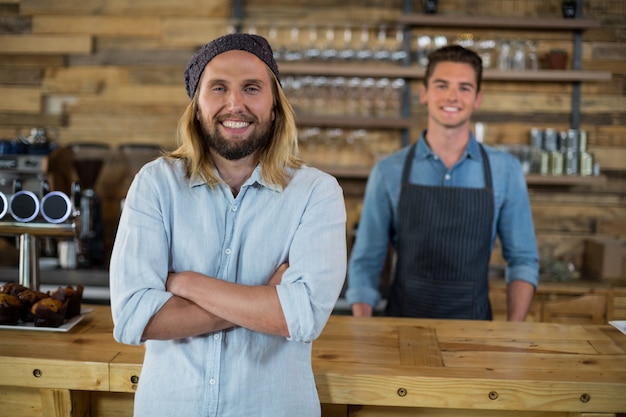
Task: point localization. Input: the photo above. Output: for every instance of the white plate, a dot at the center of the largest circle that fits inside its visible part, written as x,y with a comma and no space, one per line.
619,325
65,327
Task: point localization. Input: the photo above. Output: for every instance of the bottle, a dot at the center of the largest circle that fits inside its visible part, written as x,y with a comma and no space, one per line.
430,6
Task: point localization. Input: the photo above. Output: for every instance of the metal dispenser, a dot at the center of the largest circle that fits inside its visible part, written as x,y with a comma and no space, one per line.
52,214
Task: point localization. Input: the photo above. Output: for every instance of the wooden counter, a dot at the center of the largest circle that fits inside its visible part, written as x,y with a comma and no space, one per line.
363,367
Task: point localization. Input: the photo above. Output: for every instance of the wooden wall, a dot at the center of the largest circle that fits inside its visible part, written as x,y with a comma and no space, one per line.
111,71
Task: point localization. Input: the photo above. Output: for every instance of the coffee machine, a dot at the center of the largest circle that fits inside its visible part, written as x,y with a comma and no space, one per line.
89,159
30,211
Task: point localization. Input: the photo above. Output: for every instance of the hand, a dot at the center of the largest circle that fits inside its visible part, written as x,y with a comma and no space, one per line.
278,275
174,282
362,310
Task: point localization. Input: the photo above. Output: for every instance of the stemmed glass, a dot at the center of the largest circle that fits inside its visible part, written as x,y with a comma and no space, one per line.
355,140
353,96
329,50
398,53
424,47
347,51
364,51
381,50
293,52
313,51
272,37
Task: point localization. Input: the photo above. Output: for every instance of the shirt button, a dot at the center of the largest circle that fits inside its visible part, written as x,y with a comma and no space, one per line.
447,177
212,381
233,208
228,251
216,336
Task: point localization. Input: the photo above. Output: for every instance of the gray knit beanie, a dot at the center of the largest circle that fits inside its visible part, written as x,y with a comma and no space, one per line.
254,44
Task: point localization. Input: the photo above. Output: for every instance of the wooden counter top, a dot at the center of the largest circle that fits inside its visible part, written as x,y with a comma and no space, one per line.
382,362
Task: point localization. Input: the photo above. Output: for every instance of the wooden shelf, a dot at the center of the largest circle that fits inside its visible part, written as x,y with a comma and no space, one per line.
354,122
438,20
564,180
332,69
531,179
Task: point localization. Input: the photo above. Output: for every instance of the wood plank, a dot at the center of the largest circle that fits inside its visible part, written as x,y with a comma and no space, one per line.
610,158
15,24
63,403
133,57
17,62
146,94
192,31
20,402
45,44
418,346
13,120
381,411
215,8
141,26
25,76
20,99
82,80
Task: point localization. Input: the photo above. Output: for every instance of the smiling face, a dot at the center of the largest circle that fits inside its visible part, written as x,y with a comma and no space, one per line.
235,104
451,95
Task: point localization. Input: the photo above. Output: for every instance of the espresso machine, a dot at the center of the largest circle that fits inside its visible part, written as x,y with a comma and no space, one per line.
89,159
29,210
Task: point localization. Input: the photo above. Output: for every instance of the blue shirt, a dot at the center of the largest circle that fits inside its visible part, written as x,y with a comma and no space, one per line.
171,224
378,223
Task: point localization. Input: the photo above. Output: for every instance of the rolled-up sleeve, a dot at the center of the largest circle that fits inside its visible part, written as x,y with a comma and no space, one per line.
317,262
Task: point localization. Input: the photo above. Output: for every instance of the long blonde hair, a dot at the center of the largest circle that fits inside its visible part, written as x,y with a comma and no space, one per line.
276,159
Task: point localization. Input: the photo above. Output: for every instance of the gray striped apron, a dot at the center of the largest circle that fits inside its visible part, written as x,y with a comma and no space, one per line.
443,249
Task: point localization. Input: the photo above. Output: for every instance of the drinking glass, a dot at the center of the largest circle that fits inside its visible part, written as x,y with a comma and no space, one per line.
424,47
381,49
364,50
347,51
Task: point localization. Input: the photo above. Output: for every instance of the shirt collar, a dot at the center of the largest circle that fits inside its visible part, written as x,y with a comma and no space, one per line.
255,178
472,151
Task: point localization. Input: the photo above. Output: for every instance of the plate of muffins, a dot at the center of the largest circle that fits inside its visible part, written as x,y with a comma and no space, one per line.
26,309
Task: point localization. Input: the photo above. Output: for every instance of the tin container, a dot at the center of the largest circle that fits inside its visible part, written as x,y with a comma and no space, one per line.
586,164
550,140
570,162
556,163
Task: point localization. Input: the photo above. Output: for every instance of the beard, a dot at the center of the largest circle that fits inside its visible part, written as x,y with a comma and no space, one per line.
233,150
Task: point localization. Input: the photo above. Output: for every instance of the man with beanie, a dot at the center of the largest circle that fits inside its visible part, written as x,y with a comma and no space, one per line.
230,253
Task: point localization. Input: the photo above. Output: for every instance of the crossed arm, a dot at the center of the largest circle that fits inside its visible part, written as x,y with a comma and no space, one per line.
203,304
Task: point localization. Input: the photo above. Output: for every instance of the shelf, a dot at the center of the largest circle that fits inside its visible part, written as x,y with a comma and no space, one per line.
354,122
531,179
564,180
414,72
498,22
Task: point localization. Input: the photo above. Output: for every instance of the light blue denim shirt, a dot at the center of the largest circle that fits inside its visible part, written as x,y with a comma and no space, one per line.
378,223
170,224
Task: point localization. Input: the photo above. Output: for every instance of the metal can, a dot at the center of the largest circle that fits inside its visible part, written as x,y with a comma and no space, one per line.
550,142
572,140
544,162
582,141
570,162
556,163
586,164
536,137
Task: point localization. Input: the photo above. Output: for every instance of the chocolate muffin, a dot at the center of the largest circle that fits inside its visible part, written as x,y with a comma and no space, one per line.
49,312
10,309
12,288
73,296
28,298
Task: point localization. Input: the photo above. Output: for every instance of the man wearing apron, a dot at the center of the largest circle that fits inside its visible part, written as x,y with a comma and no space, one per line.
440,203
